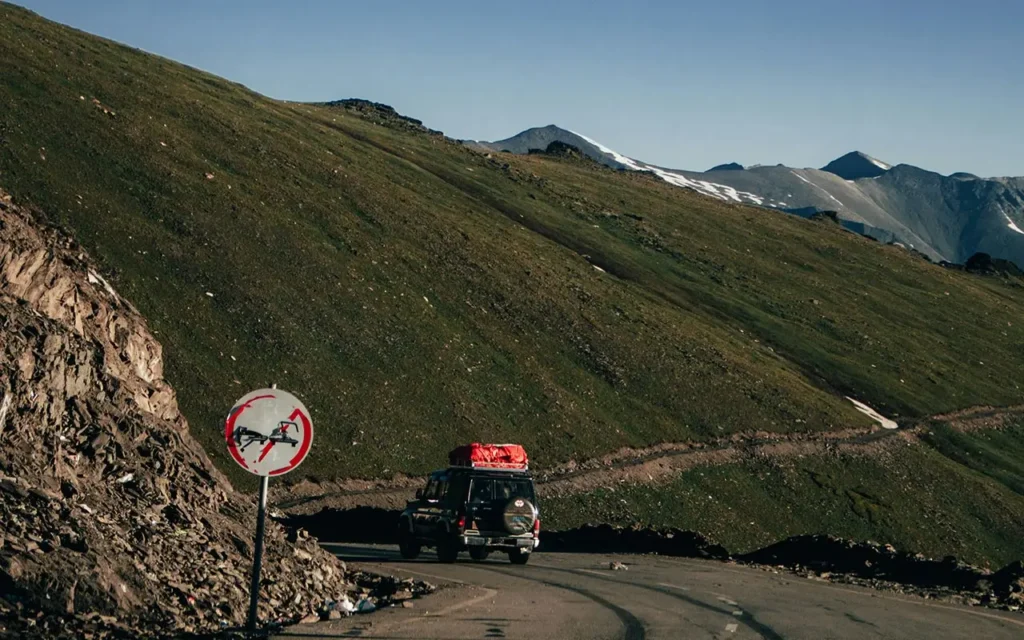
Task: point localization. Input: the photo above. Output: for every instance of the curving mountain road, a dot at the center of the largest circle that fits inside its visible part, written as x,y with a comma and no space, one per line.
576,596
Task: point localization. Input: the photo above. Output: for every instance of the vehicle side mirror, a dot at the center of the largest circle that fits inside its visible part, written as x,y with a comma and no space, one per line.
419,494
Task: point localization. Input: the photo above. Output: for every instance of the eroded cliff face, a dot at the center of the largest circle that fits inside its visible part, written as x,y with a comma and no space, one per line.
53,276
111,515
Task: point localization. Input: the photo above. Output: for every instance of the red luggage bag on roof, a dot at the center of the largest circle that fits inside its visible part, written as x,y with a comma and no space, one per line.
499,456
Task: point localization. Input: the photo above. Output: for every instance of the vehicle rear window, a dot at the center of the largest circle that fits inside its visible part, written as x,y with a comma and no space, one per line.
500,489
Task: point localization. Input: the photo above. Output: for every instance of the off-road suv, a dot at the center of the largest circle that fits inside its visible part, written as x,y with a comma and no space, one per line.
476,508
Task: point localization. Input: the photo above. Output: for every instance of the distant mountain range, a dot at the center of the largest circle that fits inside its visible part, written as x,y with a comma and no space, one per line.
947,218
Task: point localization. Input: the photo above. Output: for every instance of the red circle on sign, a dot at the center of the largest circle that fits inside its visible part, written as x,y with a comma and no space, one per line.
268,432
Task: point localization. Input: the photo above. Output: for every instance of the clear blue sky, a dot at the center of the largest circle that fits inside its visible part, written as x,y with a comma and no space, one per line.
685,85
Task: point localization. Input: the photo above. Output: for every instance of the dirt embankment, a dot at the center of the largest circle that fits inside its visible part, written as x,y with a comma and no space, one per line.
651,465
883,567
113,521
977,418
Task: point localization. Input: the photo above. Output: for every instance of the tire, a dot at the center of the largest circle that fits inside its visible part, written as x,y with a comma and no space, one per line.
518,556
447,552
408,547
479,553
518,516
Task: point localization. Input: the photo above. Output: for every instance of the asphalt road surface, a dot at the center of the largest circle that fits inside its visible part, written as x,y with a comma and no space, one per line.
561,596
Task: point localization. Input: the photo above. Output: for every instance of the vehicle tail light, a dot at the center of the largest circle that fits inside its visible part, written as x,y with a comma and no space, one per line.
461,524
536,527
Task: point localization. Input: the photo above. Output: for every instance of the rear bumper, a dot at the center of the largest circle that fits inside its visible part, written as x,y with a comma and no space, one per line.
500,542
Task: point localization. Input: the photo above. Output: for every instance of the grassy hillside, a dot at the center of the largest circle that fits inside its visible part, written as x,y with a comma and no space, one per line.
417,294
961,495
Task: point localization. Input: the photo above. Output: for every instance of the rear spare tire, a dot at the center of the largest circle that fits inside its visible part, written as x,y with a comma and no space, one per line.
518,516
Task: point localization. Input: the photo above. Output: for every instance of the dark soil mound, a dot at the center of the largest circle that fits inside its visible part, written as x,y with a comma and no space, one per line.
361,524
866,560
605,538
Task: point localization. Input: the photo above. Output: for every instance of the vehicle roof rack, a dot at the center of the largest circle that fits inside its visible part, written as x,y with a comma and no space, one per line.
491,466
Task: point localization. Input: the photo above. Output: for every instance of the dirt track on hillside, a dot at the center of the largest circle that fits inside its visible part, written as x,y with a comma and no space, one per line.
651,465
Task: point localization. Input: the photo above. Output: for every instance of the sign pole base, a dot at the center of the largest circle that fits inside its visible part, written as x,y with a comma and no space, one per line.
257,557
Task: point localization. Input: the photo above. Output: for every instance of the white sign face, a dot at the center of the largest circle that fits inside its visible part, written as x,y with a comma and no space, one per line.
268,432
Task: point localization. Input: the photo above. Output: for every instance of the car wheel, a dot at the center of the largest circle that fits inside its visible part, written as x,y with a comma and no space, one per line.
447,552
408,547
479,553
518,556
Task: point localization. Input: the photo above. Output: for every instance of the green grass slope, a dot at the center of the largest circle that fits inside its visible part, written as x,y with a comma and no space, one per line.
417,294
961,494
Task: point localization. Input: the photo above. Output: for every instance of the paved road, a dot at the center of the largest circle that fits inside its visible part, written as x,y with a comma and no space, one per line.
576,596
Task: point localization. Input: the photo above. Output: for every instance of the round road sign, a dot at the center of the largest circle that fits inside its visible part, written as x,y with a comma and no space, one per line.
268,432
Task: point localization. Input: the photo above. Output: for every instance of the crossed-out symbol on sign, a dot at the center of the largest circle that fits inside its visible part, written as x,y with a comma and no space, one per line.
268,417
279,434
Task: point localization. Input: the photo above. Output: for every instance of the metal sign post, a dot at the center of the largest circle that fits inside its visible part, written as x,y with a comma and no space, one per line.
257,555
279,424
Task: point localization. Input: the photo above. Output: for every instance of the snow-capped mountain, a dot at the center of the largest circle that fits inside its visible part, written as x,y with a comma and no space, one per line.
944,217
856,165
541,137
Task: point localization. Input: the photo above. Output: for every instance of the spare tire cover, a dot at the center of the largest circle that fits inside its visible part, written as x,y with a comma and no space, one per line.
518,516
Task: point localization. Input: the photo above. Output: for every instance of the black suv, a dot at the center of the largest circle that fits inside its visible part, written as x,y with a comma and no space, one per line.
475,509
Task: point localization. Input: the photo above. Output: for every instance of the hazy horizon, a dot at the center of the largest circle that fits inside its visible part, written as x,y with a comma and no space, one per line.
680,85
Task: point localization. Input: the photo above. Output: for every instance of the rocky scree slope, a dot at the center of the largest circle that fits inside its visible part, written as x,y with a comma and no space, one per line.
112,519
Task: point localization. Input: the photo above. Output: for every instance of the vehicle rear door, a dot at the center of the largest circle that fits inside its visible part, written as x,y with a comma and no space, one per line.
489,496
433,508
424,507
481,511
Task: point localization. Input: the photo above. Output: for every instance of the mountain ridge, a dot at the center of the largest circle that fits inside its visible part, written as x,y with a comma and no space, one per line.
945,218
856,165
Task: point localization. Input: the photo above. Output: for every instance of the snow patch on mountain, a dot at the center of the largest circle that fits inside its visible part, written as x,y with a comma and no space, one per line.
720,191
818,187
618,157
886,423
1013,226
